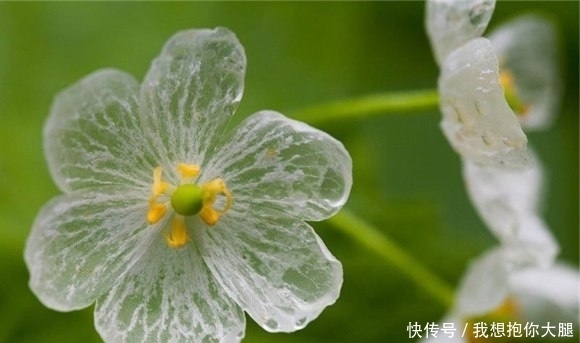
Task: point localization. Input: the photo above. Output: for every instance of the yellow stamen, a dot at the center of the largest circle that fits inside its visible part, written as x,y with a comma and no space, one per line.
186,199
214,188
209,215
507,80
211,190
156,212
177,238
188,171
509,308
508,311
159,187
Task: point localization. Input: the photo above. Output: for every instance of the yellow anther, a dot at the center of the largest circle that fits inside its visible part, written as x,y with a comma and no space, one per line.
156,212
507,80
186,199
507,310
178,237
211,190
214,188
188,171
209,215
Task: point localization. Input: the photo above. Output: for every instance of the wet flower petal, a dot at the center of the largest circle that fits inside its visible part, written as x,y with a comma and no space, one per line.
485,285
451,23
507,201
477,120
539,295
277,162
172,298
526,46
93,136
190,92
274,266
549,294
82,243
164,221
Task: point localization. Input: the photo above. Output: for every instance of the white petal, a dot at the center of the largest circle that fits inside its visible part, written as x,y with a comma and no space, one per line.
507,201
191,90
485,284
93,135
171,299
450,23
82,243
273,161
275,267
477,120
547,294
536,242
527,47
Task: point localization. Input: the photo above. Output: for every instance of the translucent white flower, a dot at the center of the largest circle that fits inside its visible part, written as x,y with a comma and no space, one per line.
174,226
527,51
477,120
493,279
494,289
508,201
482,89
526,48
451,23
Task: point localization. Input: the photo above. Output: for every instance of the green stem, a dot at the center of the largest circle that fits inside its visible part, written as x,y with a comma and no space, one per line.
366,106
380,244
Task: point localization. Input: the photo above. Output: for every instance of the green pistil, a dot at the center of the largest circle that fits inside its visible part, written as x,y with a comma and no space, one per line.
187,199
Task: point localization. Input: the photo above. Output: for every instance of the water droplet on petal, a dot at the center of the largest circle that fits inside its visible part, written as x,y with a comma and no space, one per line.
301,323
272,324
480,13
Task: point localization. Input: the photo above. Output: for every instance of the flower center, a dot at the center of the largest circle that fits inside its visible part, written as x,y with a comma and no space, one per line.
186,199
498,326
506,79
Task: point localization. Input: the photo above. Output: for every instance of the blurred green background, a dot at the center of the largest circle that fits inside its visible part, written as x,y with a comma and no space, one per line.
407,179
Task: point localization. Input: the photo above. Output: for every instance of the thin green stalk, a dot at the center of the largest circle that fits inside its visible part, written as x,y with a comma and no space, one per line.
370,105
370,237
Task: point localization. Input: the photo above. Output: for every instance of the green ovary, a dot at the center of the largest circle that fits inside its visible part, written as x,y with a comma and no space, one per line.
187,199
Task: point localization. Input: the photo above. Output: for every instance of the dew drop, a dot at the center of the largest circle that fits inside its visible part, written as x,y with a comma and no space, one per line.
301,323
480,14
272,324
